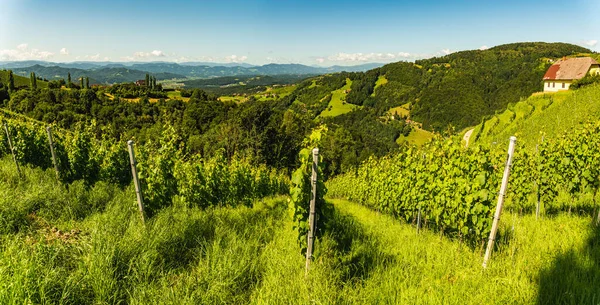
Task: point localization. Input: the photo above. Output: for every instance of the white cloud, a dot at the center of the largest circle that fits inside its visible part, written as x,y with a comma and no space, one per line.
483,48
320,60
95,57
235,58
23,52
590,43
446,51
155,53
365,57
64,51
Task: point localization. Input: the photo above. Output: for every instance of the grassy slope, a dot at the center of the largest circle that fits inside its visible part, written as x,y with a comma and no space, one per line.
417,137
550,114
20,81
281,92
337,104
400,110
551,260
177,95
381,80
88,246
78,246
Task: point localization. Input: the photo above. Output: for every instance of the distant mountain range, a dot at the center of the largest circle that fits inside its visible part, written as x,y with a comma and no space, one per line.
117,72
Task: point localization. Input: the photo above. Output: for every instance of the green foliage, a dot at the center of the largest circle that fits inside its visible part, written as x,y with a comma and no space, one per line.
11,81
567,165
552,114
32,81
355,136
301,194
452,186
130,90
585,81
163,171
157,173
204,125
100,75
19,81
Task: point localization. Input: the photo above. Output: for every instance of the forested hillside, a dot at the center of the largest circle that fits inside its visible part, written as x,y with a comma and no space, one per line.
458,89
96,76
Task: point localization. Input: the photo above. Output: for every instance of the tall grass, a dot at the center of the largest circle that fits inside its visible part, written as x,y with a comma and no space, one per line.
88,246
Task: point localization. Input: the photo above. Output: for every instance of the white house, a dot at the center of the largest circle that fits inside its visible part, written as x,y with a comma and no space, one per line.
561,75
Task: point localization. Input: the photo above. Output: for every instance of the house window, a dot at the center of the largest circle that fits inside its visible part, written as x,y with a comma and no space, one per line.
563,85
553,85
548,85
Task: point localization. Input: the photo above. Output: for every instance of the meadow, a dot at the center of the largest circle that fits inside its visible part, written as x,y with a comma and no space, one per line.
337,104
80,245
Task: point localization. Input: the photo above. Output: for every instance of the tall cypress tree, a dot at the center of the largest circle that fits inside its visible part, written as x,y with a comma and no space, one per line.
11,81
32,83
81,82
147,80
87,83
69,80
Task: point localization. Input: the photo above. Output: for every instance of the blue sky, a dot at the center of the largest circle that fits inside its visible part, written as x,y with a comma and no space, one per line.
258,32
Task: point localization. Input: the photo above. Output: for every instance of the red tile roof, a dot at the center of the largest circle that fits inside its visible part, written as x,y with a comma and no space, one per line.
569,69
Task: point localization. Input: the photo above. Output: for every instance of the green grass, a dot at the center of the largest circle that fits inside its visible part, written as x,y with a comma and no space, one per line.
549,114
337,105
81,245
416,137
381,80
231,98
176,95
552,260
400,110
272,93
279,92
20,81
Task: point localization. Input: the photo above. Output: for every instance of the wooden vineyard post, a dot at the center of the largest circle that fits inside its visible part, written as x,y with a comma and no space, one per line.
136,181
12,149
419,220
538,204
313,201
51,141
490,245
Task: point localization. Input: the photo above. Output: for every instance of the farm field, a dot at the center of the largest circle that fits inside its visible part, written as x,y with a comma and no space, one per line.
337,105
400,110
417,137
55,251
177,95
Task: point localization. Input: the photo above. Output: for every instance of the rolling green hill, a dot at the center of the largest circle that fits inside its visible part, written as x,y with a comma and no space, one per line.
548,115
20,81
460,88
105,75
